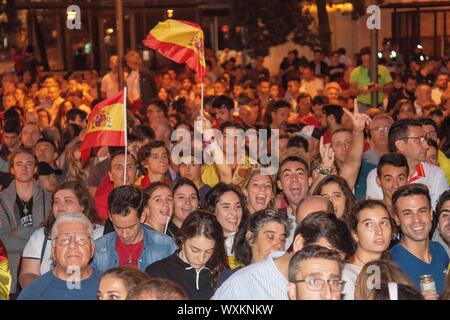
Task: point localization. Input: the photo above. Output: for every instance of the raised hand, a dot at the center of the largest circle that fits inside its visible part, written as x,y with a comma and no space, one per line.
326,154
359,120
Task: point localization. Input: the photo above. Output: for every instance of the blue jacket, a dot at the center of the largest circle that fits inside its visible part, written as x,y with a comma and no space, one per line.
157,246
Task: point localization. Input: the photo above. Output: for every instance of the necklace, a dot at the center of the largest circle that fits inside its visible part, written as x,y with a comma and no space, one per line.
25,205
357,257
130,255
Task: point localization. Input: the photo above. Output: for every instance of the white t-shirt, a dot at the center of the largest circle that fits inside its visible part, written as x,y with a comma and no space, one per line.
110,85
313,87
33,249
350,273
427,174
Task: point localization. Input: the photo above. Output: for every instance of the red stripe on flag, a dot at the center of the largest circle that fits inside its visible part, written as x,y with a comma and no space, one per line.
100,139
177,53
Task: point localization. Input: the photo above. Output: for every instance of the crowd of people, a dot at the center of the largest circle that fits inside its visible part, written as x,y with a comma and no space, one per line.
359,186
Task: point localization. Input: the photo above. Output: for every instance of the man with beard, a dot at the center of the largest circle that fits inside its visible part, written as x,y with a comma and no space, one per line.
408,91
416,255
408,138
442,233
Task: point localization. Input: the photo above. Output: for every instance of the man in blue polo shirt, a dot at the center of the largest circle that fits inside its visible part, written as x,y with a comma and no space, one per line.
416,255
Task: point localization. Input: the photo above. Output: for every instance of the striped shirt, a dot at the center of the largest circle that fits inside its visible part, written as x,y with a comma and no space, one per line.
258,281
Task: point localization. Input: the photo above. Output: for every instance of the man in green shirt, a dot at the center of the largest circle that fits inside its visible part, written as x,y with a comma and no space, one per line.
361,85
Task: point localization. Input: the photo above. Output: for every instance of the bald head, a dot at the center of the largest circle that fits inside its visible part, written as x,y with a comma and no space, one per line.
310,204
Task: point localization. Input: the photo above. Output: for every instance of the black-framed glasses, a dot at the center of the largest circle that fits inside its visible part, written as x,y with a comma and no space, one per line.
80,239
420,139
317,284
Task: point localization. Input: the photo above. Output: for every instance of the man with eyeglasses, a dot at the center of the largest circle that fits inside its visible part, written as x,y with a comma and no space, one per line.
378,128
315,274
72,278
416,255
407,137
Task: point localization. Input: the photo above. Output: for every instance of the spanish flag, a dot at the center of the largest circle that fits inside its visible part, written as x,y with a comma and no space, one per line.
106,125
180,41
5,275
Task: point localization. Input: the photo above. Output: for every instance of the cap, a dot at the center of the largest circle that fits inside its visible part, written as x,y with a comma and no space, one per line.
44,169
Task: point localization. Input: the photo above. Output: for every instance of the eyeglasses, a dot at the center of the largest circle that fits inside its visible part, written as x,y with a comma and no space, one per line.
380,129
316,284
421,139
64,239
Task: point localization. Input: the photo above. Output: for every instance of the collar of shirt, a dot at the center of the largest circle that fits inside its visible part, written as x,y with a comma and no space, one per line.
420,173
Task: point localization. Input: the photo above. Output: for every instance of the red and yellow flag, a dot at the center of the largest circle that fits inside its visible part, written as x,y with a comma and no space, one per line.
106,125
180,41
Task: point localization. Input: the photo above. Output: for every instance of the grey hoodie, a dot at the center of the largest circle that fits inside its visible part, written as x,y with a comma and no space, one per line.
14,236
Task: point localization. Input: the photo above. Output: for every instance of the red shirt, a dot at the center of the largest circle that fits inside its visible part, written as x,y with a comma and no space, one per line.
101,197
129,254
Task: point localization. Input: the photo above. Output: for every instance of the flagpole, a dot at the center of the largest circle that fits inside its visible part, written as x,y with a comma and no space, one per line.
125,133
201,101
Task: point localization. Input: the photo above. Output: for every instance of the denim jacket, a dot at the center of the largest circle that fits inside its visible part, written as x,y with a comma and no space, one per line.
157,246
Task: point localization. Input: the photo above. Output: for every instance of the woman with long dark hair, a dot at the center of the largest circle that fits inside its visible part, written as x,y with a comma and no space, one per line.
200,258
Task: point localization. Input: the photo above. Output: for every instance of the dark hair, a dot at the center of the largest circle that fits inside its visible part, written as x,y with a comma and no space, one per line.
72,114
394,159
319,225
399,130
222,101
119,153
363,205
144,132
231,124
242,248
274,106
213,196
294,78
12,126
429,122
50,141
292,159
130,277
71,132
432,143
350,200
146,150
148,192
404,292
122,198
13,114
182,181
334,110
319,100
204,223
159,288
160,104
311,252
84,198
443,198
413,189
436,112
299,142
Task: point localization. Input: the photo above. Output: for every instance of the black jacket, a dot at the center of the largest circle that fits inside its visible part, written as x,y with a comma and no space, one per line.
147,86
197,285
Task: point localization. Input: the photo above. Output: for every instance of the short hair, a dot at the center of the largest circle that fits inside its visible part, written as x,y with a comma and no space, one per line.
47,140
122,198
382,116
292,159
394,159
429,122
299,142
20,150
398,106
242,248
222,101
311,252
120,153
231,124
293,78
159,289
160,104
399,130
182,181
72,217
146,150
320,100
443,198
326,225
413,189
274,106
72,114
12,126
436,112
334,110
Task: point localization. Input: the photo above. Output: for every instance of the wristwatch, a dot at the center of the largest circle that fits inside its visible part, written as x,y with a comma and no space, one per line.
324,171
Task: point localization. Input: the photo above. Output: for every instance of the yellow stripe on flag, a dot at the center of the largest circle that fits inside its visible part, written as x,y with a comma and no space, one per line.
182,34
110,118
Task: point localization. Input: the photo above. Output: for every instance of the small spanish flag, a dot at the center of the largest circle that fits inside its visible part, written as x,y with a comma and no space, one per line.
180,41
5,275
106,125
